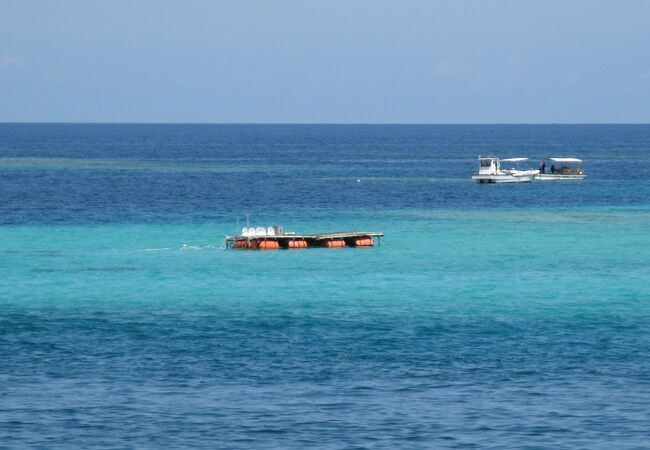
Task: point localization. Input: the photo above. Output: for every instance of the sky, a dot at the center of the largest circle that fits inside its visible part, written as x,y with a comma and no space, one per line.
329,61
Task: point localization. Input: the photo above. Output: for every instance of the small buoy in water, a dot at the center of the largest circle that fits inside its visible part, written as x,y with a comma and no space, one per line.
358,180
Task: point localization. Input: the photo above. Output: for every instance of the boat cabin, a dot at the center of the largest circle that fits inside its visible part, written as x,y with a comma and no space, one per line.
489,165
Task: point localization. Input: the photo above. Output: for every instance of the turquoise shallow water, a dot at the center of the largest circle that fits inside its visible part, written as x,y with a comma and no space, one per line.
491,326
492,317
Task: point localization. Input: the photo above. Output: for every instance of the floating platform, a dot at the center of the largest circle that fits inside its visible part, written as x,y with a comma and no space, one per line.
299,241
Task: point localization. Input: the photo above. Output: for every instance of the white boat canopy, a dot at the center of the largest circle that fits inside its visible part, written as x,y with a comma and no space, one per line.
566,160
515,159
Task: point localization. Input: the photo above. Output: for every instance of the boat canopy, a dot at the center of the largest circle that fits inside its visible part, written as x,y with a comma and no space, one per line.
566,160
515,159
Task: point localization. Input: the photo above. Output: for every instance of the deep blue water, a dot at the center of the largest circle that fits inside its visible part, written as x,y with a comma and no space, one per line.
490,317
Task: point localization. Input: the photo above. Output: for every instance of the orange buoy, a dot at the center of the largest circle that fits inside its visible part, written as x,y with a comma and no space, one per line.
335,243
364,242
297,243
269,245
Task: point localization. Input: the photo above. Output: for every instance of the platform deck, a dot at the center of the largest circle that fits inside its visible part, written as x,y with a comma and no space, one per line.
317,238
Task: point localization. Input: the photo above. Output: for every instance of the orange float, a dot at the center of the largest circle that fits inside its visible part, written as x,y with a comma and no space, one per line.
298,243
335,243
251,244
269,245
364,242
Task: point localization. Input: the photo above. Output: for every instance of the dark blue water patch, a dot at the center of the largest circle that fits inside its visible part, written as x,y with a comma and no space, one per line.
293,143
294,380
58,174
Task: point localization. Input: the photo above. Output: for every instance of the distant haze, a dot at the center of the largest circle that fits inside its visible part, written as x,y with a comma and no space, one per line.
326,61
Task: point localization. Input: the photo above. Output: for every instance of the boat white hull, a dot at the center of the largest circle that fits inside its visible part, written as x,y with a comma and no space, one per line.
506,178
558,177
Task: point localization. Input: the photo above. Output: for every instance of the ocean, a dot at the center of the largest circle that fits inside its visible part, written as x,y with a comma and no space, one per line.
491,316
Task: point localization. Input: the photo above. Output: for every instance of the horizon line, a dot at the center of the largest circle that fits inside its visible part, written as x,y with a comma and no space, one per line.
314,123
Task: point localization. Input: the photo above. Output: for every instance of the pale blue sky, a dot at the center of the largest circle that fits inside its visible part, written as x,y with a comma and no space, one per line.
327,61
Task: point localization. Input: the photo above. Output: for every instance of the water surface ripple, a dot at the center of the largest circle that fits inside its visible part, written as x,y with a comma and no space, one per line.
490,316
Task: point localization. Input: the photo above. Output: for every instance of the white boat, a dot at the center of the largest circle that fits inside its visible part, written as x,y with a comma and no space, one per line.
490,170
562,169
